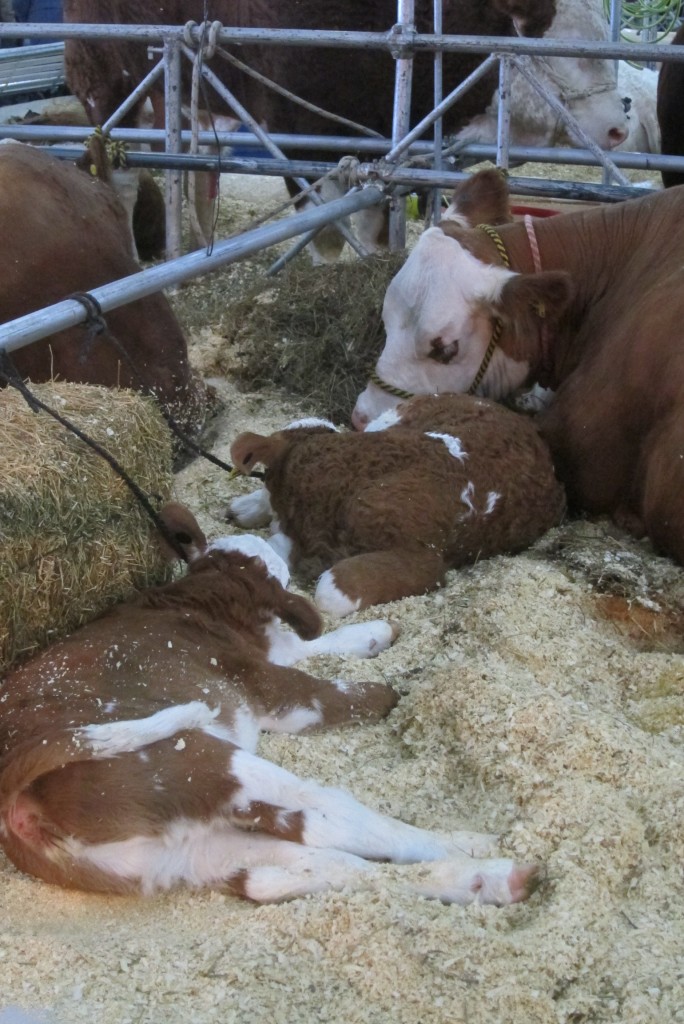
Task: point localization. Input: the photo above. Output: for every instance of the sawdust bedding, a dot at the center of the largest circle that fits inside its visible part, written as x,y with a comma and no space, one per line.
543,699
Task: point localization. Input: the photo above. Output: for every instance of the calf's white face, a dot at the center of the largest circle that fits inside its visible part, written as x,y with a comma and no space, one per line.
437,330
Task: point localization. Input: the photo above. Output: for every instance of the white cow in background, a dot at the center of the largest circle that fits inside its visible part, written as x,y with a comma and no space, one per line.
589,89
640,86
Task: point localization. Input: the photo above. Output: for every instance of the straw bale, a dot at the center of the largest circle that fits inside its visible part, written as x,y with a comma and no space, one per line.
315,332
73,539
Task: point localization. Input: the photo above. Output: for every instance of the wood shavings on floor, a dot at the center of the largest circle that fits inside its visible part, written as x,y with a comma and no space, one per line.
522,712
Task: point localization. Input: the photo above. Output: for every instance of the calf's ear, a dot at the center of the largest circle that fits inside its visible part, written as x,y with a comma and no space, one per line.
528,305
481,198
248,450
182,526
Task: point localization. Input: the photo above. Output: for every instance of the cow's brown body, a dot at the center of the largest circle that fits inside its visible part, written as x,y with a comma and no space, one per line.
669,109
64,231
103,73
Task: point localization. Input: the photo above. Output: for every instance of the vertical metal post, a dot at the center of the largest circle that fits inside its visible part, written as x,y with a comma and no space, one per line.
438,96
173,178
615,26
401,119
503,131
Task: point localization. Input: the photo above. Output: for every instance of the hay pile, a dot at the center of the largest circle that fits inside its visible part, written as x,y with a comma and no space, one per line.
315,332
73,539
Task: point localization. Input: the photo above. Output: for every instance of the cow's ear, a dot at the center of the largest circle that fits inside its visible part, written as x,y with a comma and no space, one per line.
528,304
481,198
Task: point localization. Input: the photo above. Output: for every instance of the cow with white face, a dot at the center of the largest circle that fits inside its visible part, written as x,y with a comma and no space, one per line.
438,330
438,309
590,305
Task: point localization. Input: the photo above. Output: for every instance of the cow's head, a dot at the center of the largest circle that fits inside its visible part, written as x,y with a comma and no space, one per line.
586,88
442,310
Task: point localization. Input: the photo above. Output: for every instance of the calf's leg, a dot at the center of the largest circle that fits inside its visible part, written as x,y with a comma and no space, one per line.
193,809
358,640
251,510
346,835
292,701
377,577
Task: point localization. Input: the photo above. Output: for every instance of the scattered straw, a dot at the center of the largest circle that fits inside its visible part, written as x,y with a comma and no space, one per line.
314,332
73,539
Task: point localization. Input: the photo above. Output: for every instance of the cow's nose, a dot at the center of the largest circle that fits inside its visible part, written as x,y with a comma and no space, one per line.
359,421
616,136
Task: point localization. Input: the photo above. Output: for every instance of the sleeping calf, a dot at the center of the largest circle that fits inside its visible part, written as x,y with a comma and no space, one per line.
441,482
127,750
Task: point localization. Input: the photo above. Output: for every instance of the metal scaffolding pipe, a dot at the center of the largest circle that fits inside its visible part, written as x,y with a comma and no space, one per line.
401,113
35,326
474,151
416,42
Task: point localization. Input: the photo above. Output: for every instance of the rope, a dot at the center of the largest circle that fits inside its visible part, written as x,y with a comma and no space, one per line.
10,375
389,388
94,315
498,242
270,84
534,244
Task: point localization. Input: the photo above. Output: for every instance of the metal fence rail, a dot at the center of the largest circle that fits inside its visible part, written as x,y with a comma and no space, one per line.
403,43
27,69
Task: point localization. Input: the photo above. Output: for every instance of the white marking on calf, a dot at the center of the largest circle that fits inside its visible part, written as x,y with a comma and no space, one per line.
388,418
293,721
255,547
281,545
467,495
452,443
492,499
331,600
114,738
311,421
358,640
243,731
252,510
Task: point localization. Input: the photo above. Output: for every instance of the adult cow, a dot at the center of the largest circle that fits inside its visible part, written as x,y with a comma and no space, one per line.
670,97
589,304
359,84
65,231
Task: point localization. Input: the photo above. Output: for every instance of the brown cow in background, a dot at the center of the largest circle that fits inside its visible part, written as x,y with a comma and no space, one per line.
359,84
670,98
65,231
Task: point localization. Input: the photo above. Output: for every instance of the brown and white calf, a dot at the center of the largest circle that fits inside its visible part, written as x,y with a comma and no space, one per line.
444,481
591,305
127,758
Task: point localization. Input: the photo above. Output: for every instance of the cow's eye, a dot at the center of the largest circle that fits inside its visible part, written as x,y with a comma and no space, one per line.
441,351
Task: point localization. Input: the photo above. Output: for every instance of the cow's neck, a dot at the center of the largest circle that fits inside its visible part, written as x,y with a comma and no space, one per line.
594,247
